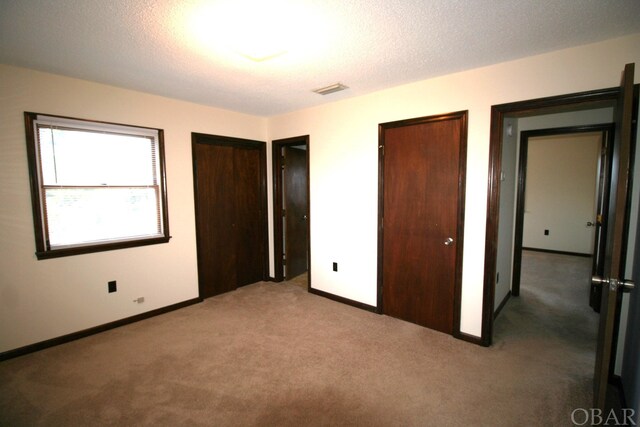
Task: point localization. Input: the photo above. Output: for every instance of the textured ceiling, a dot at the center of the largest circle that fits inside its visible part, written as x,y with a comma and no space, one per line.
185,48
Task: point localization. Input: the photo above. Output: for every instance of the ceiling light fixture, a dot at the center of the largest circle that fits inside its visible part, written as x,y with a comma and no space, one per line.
259,54
257,30
336,87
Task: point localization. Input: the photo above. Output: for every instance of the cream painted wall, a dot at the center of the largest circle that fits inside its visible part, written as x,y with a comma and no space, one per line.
344,155
562,177
40,300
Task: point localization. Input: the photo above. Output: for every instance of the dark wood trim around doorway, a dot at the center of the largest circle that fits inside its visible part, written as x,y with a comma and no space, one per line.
555,104
606,129
278,244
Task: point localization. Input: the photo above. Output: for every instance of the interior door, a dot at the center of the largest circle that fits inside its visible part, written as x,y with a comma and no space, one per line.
215,195
613,280
422,178
295,205
247,225
230,198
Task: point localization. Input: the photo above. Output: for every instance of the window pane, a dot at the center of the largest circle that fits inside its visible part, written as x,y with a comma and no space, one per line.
84,157
85,215
95,185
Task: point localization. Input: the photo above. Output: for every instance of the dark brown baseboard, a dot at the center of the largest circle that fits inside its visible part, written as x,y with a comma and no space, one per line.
502,304
551,251
10,354
343,300
460,335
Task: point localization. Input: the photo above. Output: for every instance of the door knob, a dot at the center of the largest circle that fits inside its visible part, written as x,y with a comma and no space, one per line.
614,284
448,242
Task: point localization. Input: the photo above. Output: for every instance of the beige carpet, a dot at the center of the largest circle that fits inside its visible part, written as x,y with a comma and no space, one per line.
273,354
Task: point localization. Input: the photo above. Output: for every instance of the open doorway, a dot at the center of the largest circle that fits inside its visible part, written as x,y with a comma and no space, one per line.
508,120
624,100
291,209
562,193
553,311
558,165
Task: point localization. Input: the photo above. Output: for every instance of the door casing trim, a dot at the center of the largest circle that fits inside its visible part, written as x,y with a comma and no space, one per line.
276,162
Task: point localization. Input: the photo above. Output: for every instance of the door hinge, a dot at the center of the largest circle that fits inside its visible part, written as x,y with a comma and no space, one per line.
284,212
381,147
284,260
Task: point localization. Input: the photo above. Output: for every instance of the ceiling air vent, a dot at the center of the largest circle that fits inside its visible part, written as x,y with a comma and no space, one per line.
337,87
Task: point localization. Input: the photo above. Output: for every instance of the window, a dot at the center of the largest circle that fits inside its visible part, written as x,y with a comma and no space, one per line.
95,186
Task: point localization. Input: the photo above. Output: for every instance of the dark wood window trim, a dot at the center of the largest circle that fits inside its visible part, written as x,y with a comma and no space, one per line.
42,250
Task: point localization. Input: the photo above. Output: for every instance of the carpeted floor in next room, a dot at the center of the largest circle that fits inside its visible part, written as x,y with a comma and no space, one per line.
274,355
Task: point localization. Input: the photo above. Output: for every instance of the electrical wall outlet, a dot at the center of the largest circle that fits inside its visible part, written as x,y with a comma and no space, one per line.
111,286
546,232
335,266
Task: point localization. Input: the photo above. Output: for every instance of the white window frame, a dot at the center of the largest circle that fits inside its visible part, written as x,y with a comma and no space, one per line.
44,249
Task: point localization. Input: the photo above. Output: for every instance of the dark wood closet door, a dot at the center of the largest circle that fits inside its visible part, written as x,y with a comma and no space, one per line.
422,185
215,194
248,226
230,183
295,203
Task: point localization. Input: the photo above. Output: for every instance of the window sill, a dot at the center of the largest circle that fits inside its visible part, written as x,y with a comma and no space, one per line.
80,250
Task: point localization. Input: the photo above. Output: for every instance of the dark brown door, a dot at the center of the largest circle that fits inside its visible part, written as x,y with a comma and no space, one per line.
230,224
422,180
617,223
248,224
294,190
